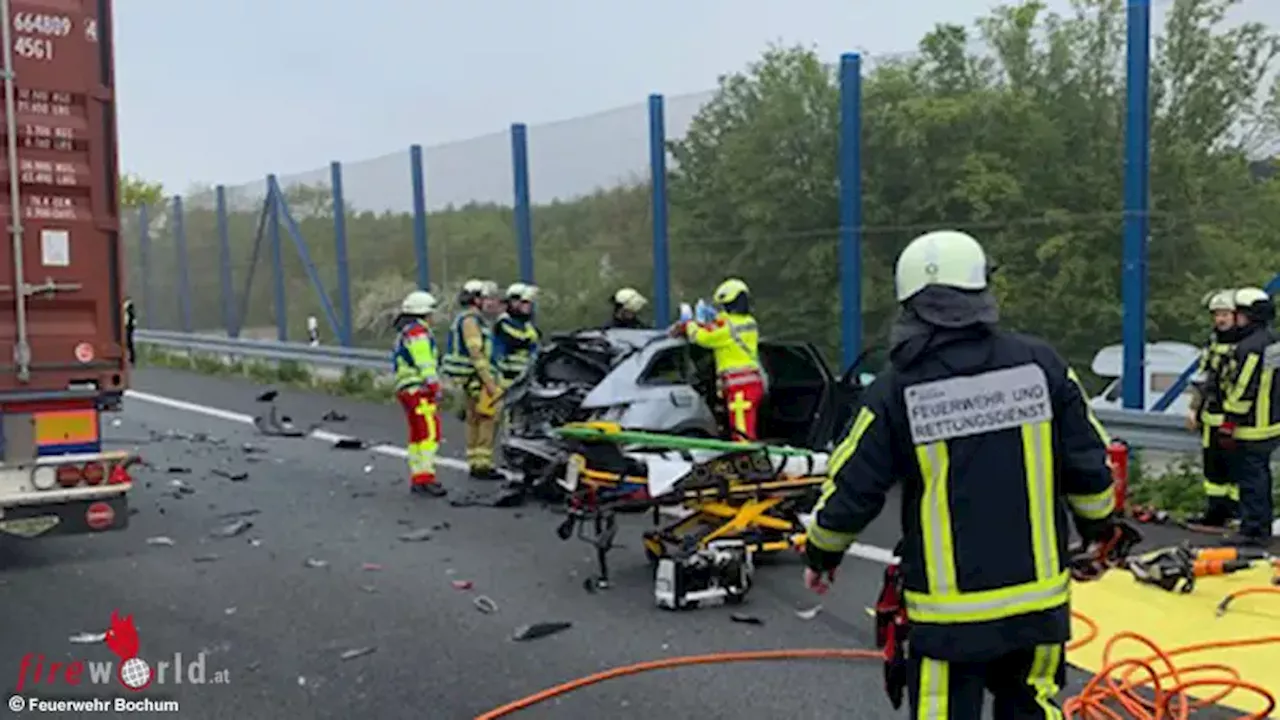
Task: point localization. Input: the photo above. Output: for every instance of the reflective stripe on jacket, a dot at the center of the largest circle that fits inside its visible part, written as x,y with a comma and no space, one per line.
515,341
733,338
993,440
458,362
1251,395
414,357
1214,359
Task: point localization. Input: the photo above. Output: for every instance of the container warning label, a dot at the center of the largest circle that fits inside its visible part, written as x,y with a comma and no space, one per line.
977,404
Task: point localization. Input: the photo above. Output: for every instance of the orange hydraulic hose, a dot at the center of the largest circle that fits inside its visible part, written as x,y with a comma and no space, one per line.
1104,697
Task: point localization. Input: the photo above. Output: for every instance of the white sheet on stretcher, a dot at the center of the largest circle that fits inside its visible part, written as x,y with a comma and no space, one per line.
666,468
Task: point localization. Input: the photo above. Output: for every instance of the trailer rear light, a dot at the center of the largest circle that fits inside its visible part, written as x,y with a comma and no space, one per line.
69,475
94,473
120,475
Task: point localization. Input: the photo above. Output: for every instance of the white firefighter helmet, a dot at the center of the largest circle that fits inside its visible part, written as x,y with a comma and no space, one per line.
473,286
418,302
730,290
488,289
522,291
947,258
1220,300
1250,296
630,299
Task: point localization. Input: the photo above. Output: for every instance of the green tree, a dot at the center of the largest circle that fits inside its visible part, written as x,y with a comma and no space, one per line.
1021,143
135,192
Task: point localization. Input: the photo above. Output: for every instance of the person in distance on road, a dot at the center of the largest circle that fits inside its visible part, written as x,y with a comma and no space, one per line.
515,338
467,361
130,326
1251,406
418,389
627,304
978,424
1222,495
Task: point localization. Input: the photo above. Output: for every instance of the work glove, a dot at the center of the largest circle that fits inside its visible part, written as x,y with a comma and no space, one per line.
821,566
1107,544
680,329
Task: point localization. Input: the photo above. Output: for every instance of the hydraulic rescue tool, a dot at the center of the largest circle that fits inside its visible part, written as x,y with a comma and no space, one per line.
1090,562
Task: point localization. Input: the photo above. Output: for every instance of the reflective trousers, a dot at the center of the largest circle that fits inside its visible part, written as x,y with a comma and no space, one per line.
742,401
1023,684
481,419
1222,494
423,418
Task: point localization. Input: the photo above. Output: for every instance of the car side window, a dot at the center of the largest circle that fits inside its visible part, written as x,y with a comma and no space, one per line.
672,366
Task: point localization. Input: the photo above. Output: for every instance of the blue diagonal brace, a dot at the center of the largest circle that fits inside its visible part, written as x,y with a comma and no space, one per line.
292,228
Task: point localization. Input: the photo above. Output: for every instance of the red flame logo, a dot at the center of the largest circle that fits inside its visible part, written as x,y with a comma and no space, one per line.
122,636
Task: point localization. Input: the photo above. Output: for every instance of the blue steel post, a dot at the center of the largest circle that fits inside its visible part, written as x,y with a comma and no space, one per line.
340,249
524,218
224,262
850,208
144,252
658,201
1136,199
420,216
277,260
184,277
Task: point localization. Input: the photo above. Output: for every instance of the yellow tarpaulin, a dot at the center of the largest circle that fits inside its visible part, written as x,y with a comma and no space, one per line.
1171,620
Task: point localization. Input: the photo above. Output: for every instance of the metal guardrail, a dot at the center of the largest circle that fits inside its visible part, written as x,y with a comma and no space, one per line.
1151,431
323,355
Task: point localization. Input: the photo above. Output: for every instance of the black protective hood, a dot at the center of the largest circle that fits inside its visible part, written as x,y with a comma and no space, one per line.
941,316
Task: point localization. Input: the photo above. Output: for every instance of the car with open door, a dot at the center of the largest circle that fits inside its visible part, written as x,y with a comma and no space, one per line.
644,380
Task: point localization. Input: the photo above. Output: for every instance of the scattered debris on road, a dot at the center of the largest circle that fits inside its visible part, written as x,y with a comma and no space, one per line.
462,584
87,638
276,425
179,470
161,541
537,631
229,611
232,529
232,475
181,488
315,564
235,514
369,589
416,536
485,604
809,613
333,416
358,653
510,494
349,443
206,558
267,396
371,567
746,619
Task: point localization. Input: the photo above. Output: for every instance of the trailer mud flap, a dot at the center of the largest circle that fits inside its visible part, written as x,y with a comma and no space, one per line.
68,518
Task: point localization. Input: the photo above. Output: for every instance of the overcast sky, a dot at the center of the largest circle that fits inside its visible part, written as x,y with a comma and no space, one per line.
228,91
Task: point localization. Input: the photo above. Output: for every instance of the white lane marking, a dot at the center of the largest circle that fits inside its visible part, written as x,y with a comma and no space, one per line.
858,550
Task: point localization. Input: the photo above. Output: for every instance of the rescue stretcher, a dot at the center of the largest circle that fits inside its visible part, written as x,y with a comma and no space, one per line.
733,501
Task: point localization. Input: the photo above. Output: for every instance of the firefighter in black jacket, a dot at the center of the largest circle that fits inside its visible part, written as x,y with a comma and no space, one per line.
1251,403
1222,495
989,433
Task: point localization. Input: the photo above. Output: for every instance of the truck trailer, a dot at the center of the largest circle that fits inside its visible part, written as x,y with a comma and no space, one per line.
62,337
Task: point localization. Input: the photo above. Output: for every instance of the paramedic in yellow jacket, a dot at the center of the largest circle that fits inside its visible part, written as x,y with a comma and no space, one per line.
734,338
418,389
467,362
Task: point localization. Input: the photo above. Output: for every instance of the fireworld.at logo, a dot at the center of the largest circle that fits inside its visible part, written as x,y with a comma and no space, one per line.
132,672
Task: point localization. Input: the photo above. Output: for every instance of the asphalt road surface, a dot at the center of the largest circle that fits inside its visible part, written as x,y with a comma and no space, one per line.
320,609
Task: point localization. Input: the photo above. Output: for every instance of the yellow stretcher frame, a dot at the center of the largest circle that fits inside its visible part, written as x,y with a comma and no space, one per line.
747,508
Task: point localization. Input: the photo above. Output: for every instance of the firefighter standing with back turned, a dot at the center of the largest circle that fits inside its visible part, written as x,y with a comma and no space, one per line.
1222,495
734,338
466,361
1251,404
418,389
515,338
978,424
130,326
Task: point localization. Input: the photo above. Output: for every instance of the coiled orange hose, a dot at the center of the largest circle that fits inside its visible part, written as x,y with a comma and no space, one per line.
1104,697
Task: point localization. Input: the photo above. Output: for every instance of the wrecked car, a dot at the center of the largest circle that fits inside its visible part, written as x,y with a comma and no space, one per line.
644,380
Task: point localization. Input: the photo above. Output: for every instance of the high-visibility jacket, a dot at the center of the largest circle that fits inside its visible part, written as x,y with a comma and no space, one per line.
414,357
515,341
468,348
989,433
1251,395
1210,369
733,338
